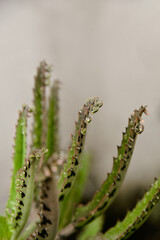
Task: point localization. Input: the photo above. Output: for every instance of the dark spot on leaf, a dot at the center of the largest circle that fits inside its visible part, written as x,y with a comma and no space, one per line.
44,194
112,193
43,234
118,177
22,194
17,217
81,136
68,185
21,203
45,220
76,162
91,219
28,163
45,208
124,166
102,207
72,173
25,173
61,197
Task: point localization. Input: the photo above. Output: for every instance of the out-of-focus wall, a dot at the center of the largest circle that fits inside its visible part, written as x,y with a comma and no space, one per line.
100,48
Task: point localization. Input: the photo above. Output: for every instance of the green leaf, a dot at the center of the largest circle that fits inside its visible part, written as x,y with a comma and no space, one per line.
71,168
39,113
99,236
18,157
135,218
91,229
25,190
104,197
52,142
5,233
74,196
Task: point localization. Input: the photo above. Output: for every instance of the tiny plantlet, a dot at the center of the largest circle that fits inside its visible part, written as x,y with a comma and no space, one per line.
50,182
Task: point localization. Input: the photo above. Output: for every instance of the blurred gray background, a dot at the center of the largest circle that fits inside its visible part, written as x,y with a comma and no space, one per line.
105,48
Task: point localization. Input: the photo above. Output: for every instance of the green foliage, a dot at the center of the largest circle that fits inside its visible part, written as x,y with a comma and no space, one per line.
39,113
137,216
71,168
91,229
55,183
5,233
104,197
52,143
74,196
25,190
19,156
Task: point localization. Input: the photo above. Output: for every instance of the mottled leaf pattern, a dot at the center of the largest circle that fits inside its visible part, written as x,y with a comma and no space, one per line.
70,170
49,210
18,157
25,190
135,218
104,197
39,113
74,196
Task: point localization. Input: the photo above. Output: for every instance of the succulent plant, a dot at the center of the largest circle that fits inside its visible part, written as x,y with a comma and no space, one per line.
50,182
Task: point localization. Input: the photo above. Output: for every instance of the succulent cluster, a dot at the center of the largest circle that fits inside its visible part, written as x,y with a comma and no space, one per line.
51,182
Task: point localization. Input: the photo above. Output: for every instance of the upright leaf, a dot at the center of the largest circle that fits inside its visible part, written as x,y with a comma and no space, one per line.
71,168
104,197
39,113
52,141
25,189
74,196
18,157
49,210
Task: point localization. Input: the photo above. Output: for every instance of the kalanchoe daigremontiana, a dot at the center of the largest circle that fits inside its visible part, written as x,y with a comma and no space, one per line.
52,181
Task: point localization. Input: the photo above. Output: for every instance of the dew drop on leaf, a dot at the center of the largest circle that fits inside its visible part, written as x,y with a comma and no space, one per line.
94,109
88,119
99,103
83,131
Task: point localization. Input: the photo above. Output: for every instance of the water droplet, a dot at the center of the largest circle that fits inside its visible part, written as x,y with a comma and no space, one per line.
83,131
88,119
100,103
94,109
64,174
22,123
139,128
119,157
30,109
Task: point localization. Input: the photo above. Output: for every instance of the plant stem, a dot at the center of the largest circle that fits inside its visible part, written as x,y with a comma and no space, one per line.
66,232
29,230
